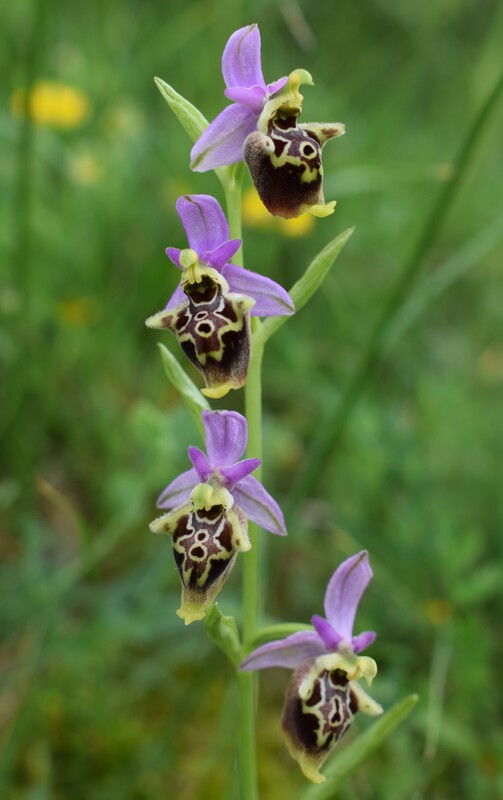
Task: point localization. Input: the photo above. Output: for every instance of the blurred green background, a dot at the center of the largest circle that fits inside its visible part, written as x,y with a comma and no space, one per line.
104,693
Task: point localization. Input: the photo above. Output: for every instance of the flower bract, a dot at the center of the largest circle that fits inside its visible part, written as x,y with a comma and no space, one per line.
209,508
324,693
209,312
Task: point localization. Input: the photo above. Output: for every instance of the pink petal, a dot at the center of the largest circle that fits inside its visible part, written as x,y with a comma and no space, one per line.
179,490
226,436
222,141
200,463
271,300
259,506
253,98
289,652
173,254
362,641
204,221
329,637
221,255
344,592
239,471
241,58
275,86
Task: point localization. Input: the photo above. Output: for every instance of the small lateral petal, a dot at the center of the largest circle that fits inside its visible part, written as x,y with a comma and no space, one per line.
253,98
275,86
362,641
173,254
329,637
200,463
222,141
289,652
203,220
344,592
221,255
259,506
177,298
226,436
271,300
238,471
179,490
241,58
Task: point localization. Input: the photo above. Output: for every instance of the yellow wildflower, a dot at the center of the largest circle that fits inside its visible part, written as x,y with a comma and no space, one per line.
78,312
438,611
490,364
84,168
52,104
124,119
255,215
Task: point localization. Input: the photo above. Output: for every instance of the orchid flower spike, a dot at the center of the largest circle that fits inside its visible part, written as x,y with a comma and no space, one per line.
284,158
209,312
210,505
323,695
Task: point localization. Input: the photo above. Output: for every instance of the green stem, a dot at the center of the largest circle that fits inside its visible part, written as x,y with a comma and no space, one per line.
331,431
251,575
232,187
253,412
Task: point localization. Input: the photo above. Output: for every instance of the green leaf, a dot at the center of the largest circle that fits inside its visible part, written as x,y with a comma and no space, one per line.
191,119
223,632
305,287
194,400
189,116
273,632
360,749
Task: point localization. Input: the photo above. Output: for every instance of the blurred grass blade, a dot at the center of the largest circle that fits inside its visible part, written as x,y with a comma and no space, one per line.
306,286
192,397
360,749
442,279
329,431
190,118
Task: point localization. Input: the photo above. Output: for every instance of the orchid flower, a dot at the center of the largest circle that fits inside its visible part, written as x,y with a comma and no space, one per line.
209,312
284,158
222,141
210,505
323,695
